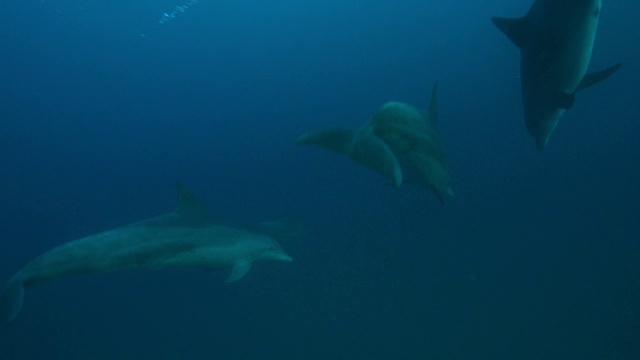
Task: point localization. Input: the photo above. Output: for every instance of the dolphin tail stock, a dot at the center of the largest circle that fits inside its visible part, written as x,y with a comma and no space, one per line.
11,299
596,77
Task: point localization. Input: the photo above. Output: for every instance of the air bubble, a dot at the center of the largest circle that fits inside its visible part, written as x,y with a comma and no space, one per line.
170,15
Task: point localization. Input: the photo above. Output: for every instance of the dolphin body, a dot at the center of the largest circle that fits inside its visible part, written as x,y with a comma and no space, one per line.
556,41
185,237
400,142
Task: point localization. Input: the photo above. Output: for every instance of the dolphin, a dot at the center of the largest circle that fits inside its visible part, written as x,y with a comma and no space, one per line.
556,41
400,142
185,237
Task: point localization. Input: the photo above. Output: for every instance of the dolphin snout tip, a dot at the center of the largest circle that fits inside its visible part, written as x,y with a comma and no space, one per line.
284,257
450,191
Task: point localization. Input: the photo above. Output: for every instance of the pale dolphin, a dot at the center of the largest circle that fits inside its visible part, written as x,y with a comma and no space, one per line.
400,142
185,237
556,41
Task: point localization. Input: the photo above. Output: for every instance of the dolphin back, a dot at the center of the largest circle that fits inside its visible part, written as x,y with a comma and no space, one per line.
11,298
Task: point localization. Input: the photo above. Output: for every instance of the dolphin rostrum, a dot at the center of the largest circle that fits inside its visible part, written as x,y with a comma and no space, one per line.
185,237
556,41
400,142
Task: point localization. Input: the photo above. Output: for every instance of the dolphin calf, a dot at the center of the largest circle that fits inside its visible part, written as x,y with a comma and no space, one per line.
185,237
400,142
556,41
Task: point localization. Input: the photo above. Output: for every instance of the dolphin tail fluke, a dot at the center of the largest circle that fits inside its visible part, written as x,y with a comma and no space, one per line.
598,76
11,299
337,140
361,146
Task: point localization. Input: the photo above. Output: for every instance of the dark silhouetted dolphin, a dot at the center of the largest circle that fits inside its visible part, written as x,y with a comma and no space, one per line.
556,41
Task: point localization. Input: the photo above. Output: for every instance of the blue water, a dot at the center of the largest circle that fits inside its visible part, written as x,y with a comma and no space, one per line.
103,108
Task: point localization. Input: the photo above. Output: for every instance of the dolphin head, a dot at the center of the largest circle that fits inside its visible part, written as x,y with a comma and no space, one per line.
250,248
430,172
441,182
265,248
541,118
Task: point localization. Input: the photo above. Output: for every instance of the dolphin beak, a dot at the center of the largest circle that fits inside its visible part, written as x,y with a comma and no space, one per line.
283,257
450,191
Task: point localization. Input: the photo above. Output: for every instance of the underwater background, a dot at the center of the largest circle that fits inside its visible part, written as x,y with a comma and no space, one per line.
104,105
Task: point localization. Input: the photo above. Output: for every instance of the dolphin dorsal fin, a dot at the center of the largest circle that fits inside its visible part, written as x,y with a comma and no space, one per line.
515,29
433,105
188,203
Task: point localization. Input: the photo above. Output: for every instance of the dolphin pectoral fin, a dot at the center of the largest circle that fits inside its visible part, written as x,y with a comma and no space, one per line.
515,29
239,270
564,100
370,151
598,76
11,299
336,140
